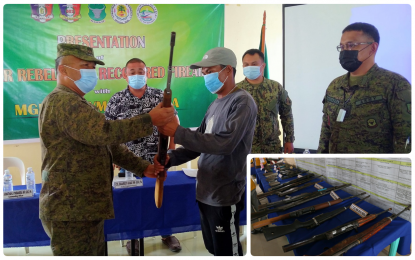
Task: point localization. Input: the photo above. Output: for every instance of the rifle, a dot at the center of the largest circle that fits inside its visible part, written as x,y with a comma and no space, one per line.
287,175
287,187
312,196
269,173
274,183
288,199
292,190
292,174
164,140
271,177
337,231
361,237
293,183
279,231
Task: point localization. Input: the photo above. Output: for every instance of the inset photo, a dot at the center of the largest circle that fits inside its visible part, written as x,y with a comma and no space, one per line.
330,206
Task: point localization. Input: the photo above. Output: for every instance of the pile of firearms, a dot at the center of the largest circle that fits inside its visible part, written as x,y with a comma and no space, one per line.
283,189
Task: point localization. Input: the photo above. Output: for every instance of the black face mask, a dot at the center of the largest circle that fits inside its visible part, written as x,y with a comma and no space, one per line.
349,61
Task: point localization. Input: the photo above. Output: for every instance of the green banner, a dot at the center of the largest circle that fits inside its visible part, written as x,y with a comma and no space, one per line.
117,33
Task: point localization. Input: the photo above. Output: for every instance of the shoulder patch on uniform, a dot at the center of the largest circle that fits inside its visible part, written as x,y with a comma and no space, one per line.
371,123
373,99
332,100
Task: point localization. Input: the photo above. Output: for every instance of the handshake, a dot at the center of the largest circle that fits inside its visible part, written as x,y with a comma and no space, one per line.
164,119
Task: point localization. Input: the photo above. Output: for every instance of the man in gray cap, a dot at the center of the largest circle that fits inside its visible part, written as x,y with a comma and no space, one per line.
222,141
78,148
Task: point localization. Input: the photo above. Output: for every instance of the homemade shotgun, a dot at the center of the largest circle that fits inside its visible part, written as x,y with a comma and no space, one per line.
314,195
337,231
292,190
288,199
287,185
164,140
279,231
293,182
361,237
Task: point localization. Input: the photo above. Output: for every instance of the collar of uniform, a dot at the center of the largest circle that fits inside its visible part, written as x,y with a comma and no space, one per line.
368,76
254,85
61,87
344,81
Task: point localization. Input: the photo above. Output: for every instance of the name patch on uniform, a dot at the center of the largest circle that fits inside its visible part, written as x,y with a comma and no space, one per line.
369,100
333,100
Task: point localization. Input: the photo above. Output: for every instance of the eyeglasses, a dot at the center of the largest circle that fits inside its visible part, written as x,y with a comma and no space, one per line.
348,46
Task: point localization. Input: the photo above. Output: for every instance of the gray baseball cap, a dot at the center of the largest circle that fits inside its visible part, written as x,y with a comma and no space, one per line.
216,56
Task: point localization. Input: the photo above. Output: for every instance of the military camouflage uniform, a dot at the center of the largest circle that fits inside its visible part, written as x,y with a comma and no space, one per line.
378,117
78,147
271,98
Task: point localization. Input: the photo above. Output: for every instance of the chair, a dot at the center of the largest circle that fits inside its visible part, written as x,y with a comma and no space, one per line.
16,162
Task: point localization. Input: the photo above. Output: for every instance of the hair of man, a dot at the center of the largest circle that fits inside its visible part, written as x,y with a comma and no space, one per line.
368,29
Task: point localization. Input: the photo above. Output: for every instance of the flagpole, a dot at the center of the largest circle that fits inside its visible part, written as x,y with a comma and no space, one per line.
263,34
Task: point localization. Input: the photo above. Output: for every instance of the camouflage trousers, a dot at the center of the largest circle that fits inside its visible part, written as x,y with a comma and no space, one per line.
266,149
76,238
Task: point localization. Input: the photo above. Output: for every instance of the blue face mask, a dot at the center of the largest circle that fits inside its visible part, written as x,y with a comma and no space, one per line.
212,82
252,72
137,81
88,80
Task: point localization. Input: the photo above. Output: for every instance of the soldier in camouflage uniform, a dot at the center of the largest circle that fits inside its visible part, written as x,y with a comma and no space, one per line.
272,99
376,102
78,147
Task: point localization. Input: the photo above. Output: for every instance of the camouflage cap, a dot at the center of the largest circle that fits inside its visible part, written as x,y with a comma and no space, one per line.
80,51
216,56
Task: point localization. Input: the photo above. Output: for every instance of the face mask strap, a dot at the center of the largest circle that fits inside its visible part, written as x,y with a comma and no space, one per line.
70,67
365,48
223,84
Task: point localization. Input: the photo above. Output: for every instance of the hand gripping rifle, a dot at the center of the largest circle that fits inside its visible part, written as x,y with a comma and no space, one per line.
164,140
361,237
303,211
279,231
337,231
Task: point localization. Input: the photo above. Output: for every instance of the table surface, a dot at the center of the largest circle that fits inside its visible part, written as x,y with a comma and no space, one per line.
136,215
398,228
